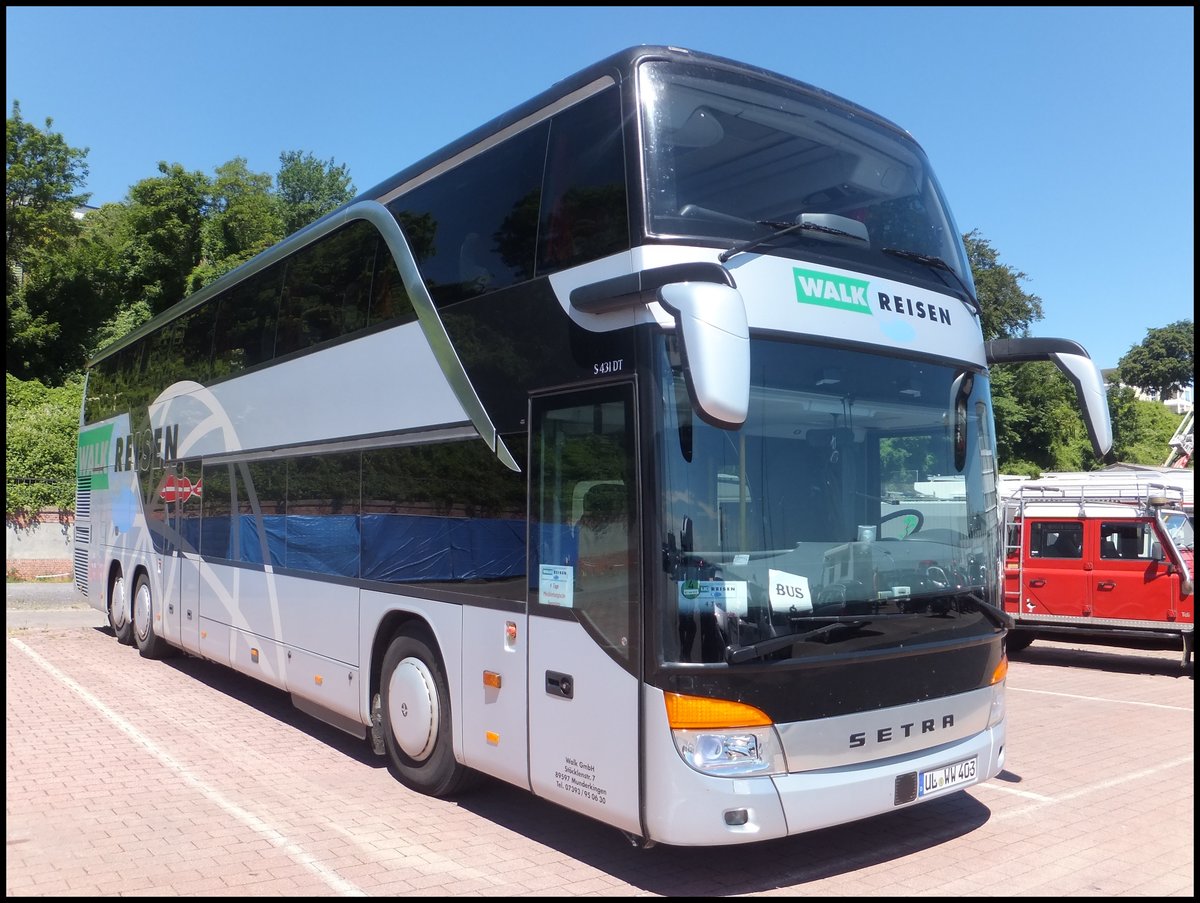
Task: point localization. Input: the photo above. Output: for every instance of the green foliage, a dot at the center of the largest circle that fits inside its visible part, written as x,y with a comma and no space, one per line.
1142,430
1008,311
41,438
1038,424
1164,362
42,175
310,188
241,220
70,293
165,215
123,322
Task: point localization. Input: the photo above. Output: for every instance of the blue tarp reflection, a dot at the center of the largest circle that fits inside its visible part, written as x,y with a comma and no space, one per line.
394,548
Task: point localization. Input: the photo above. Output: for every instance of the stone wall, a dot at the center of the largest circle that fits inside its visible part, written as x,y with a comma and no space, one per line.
40,546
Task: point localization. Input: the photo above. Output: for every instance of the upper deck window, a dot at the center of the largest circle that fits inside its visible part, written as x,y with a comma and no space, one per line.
731,157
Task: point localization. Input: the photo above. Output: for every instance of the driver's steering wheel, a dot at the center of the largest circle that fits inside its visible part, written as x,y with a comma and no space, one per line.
902,512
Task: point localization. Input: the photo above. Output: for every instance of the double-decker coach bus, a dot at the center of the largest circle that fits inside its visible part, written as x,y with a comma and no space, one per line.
572,455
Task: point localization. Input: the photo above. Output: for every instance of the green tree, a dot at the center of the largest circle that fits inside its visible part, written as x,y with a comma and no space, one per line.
242,219
1008,310
69,295
1164,362
42,177
166,214
309,188
1142,430
1038,425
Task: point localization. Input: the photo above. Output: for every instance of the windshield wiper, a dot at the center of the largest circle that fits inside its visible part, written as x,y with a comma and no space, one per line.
937,263
801,223
735,656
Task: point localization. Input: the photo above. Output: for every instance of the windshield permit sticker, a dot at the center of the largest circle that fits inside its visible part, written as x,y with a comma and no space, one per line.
556,585
828,290
789,592
729,596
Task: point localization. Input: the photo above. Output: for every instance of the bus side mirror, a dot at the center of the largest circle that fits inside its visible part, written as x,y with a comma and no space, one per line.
711,322
1071,358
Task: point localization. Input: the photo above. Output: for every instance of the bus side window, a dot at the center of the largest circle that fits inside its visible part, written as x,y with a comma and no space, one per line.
584,212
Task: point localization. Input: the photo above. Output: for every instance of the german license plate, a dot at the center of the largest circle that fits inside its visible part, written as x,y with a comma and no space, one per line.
938,779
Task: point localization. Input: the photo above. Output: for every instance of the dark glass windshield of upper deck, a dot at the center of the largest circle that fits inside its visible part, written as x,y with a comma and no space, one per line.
731,157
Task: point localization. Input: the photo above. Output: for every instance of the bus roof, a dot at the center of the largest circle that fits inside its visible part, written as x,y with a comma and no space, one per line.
620,67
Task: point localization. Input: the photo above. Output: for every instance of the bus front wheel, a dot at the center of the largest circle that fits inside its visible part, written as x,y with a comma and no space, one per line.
118,611
149,643
415,708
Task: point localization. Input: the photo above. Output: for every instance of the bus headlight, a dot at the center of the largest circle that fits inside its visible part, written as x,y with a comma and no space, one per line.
722,737
732,752
999,681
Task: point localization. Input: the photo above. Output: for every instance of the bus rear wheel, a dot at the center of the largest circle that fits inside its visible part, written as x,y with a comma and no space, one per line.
118,611
415,708
149,643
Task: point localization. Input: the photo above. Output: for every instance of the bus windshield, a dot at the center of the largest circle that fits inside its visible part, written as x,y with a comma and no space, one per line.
732,157
855,510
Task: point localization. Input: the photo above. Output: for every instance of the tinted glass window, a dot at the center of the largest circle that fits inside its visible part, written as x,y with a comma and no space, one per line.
585,516
327,288
101,391
164,356
322,514
216,502
584,213
440,514
262,500
246,318
196,342
473,229
389,298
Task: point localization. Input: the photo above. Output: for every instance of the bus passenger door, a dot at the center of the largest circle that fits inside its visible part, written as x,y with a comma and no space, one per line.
584,627
190,497
165,515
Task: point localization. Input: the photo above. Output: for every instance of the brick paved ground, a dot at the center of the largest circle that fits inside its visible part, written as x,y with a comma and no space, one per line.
131,777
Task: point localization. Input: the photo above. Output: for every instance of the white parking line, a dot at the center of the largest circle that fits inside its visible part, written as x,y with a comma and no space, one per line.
1149,705
1090,788
999,785
335,881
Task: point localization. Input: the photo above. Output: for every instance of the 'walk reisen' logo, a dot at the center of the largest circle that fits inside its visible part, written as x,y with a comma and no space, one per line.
842,293
825,290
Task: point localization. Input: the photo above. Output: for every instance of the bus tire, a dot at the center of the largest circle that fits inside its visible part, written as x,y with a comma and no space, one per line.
415,707
149,643
1018,641
118,611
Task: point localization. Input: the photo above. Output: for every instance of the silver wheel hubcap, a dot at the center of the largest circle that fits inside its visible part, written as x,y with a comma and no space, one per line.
142,610
413,708
118,603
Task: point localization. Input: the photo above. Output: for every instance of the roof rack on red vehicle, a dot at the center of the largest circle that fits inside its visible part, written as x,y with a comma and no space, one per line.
1116,488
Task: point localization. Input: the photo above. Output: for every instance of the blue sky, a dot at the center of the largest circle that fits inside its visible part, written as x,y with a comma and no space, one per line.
1065,136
